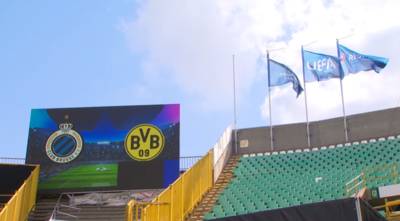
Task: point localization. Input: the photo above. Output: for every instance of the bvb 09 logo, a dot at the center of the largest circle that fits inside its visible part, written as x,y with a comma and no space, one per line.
144,142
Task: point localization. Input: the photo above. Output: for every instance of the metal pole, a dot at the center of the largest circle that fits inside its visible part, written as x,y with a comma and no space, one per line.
341,92
234,103
305,99
270,112
358,209
344,113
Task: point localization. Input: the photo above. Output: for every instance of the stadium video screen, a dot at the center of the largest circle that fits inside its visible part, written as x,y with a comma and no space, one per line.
105,148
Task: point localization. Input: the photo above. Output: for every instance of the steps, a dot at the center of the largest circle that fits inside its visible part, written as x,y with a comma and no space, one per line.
43,209
209,199
45,206
92,213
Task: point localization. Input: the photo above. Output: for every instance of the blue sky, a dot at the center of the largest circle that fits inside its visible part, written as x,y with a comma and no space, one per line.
103,53
73,54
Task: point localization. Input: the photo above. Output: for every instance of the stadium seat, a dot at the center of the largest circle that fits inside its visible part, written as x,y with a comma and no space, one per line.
264,182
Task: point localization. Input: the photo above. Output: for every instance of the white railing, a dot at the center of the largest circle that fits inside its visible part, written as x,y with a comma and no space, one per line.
354,185
12,160
222,151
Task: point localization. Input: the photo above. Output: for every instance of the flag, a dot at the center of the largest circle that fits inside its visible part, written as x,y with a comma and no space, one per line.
280,74
354,62
320,67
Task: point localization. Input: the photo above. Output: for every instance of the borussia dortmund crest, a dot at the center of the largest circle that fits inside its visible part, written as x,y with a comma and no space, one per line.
64,145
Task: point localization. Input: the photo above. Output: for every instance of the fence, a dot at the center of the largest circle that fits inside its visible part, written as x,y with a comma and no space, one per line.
178,200
187,162
184,162
377,174
355,185
22,202
12,160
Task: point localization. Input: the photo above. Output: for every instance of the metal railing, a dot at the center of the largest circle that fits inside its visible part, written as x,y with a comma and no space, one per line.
134,209
12,160
57,209
184,162
383,172
187,162
355,185
386,171
23,201
179,199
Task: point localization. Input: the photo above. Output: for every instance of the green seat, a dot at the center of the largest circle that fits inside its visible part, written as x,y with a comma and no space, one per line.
277,181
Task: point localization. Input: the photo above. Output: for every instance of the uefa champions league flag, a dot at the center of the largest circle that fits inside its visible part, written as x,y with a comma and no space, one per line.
280,74
320,67
354,62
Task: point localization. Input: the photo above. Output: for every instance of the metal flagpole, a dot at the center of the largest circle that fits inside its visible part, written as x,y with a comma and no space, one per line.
234,103
341,90
305,99
270,112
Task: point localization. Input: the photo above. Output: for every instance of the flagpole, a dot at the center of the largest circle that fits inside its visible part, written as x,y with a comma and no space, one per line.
305,99
341,90
270,112
234,103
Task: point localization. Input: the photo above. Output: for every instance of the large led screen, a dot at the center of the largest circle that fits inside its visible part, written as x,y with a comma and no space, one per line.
105,148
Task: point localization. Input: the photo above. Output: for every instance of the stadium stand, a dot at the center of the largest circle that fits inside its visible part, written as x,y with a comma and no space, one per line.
279,180
234,182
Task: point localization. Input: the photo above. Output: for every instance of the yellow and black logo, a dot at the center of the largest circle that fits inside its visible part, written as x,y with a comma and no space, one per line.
144,142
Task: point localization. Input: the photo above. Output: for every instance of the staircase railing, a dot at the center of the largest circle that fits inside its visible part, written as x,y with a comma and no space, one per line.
222,151
179,199
57,209
23,201
372,175
356,184
134,210
387,171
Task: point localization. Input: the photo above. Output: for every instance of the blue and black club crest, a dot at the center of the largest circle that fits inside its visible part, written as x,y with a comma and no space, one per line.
64,145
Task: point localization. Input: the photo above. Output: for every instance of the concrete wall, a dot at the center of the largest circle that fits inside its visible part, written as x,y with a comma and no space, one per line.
365,126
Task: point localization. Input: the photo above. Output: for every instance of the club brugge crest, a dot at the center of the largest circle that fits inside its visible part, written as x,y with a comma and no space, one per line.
64,145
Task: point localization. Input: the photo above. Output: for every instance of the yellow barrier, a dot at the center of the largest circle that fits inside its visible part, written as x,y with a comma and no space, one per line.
23,201
134,210
390,213
179,199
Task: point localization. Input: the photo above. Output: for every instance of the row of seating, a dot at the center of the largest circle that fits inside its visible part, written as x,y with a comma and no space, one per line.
323,147
264,182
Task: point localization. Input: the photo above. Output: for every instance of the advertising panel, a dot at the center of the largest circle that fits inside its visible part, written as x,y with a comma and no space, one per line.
105,148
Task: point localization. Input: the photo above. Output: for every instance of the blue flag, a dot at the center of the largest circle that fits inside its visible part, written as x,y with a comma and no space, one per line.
353,62
280,74
320,67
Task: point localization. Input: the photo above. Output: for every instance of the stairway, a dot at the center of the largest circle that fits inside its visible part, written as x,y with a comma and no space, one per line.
92,213
43,208
209,199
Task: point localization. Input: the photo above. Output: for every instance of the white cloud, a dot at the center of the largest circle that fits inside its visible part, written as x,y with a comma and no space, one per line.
191,42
